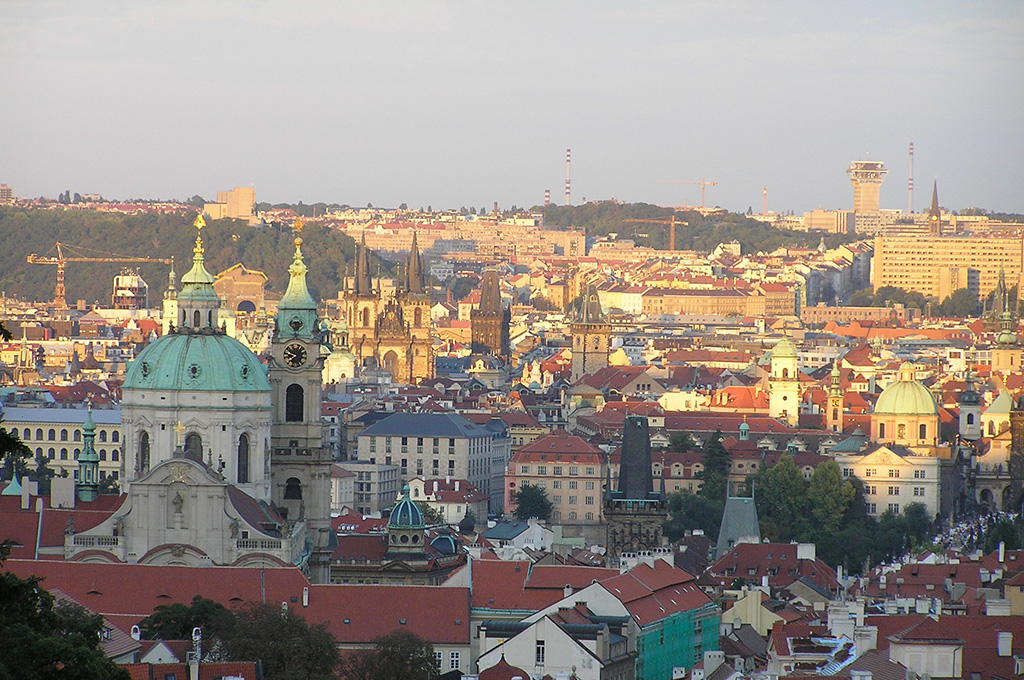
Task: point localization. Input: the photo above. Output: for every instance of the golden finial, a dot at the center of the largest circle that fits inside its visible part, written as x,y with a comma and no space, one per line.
297,227
179,428
199,222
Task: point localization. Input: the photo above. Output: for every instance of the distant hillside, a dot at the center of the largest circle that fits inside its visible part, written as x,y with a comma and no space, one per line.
702,233
227,242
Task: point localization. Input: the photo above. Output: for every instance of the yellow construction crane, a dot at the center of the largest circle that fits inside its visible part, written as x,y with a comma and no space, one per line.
672,222
59,301
704,183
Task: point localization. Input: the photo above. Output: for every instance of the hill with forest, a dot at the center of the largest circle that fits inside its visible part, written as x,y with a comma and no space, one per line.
93,234
701,233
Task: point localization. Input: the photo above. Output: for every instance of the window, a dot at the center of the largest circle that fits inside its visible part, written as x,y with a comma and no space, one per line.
918,490
894,508
454,660
894,473
52,435
103,436
590,486
871,490
438,659
573,484
557,470
556,484
870,472
894,491
572,500
293,399
243,459
922,431
538,655
39,434
881,430
115,436
573,470
590,470
572,514
542,469
589,500
115,455
524,469
64,436
144,452
194,446
293,489
872,508
590,516
76,435
846,472
26,434
556,500
919,474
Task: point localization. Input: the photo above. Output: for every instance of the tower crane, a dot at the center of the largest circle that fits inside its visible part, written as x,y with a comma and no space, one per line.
61,260
672,221
704,184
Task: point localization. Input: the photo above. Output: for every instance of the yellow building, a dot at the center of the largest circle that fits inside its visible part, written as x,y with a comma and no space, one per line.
936,266
235,204
906,414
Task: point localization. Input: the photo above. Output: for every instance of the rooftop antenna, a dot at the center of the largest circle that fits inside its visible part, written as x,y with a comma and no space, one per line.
568,175
910,182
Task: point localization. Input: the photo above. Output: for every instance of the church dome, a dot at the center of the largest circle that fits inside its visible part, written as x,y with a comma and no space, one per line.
906,396
467,525
405,514
445,543
204,361
785,349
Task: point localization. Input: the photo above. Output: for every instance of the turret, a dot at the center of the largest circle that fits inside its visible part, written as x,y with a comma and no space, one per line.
198,301
88,463
415,281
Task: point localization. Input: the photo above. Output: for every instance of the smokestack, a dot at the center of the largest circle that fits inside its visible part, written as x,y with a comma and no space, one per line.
910,182
568,175
547,197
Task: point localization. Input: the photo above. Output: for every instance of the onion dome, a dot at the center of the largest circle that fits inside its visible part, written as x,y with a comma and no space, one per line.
445,543
405,514
785,349
906,396
503,670
467,525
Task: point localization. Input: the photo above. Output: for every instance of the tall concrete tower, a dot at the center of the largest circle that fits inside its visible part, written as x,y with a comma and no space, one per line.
866,177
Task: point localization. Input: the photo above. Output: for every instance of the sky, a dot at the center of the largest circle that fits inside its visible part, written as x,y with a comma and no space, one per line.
464,103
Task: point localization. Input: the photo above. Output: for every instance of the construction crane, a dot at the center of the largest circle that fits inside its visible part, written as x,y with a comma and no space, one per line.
672,222
59,301
704,184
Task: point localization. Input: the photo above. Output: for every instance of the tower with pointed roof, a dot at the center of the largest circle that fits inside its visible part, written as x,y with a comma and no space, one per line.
489,322
934,213
88,482
834,412
591,335
970,407
300,462
634,512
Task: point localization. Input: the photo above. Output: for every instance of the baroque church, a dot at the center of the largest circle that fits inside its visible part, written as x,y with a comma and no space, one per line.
390,332
223,456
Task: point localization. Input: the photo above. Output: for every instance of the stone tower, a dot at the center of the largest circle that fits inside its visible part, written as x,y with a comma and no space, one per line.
490,321
1014,494
834,414
300,464
635,512
934,213
970,407
591,335
784,383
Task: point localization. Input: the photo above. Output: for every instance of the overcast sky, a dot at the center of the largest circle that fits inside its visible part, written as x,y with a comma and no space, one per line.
456,104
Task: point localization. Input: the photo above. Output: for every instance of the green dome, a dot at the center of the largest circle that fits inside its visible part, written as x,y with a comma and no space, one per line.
197,361
906,397
405,514
785,349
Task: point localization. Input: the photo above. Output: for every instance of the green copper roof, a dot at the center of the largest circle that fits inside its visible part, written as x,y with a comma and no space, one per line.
405,514
297,295
197,361
784,349
906,397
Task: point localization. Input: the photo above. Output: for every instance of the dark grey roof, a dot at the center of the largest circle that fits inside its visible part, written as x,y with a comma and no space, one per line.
506,531
426,425
15,415
855,443
738,521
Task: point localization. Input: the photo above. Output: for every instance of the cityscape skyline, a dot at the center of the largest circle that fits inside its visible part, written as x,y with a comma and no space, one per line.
441,104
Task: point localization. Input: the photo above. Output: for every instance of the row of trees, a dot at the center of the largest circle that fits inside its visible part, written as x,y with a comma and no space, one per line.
826,510
961,304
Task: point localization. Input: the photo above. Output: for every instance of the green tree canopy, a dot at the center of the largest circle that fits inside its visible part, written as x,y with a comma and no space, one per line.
829,497
431,515
681,442
288,647
399,655
688,511
962,304
40,640
714,476
176,621
781,497
532,501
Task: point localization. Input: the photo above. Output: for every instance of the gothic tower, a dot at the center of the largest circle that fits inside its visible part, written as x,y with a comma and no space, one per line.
1014,494
361,302
934,213
300,464
489,323
970,407
834,414
591,335
635,512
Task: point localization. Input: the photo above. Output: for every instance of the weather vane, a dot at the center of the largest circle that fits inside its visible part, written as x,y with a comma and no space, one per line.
199,222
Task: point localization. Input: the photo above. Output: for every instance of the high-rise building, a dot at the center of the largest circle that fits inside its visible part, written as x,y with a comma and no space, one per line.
6,194
235,204
866,177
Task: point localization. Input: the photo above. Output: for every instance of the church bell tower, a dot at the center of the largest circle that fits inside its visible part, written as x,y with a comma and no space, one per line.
301,464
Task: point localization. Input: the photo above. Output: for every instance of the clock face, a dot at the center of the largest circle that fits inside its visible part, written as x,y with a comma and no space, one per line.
295,355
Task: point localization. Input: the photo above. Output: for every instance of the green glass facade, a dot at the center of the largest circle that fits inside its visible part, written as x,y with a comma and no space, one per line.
677,640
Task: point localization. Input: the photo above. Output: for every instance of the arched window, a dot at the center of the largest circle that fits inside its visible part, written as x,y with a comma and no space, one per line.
417,316
64,454
115,436
115,455
103,454
103,435
366,317
209,318
63,435
52,435
39,434
293,398
835,414
194,446
991,427
78,435
196,319
785,373
881,430
182,322
922,431
144,452
51,454
27,434
293,489
243,459
970,419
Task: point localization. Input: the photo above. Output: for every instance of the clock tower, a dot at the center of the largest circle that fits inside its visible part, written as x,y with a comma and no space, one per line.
300,463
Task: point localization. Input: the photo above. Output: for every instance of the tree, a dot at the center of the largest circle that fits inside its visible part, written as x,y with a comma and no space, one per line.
532,501
781,497
400,655
714,483
431,515
829,497
681,442
288,647
109,486
42,640
688,511
961,304
1002,531
918,523
176,621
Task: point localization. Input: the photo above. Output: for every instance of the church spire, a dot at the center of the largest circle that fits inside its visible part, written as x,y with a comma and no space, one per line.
490,292
198,301
590,306
297,308
88,463
172,284
198,274
363,283
934,213
414,279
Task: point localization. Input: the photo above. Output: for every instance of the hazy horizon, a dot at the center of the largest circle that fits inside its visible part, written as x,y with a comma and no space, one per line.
454,104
